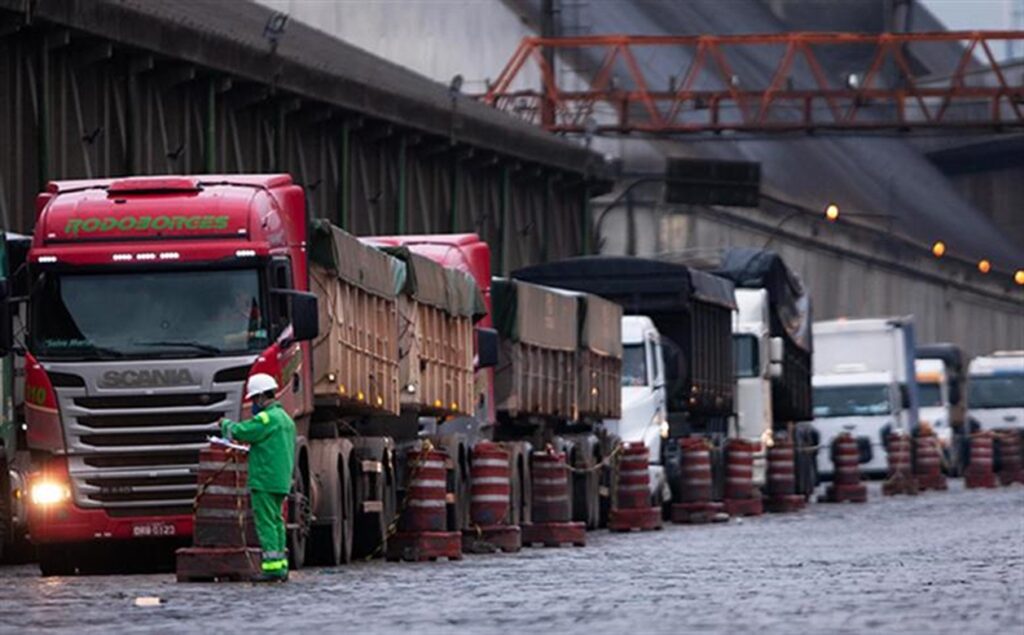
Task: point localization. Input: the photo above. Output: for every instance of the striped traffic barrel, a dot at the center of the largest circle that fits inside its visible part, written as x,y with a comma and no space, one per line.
979,472
425,503
927,462
846,459
491,489
695,480
781,469
739,469
633,489
897,448
550,478
223,510
1008,442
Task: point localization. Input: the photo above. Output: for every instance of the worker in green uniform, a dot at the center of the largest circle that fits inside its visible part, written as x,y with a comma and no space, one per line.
271,436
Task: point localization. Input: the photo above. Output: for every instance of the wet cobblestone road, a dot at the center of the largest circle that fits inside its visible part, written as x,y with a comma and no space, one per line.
939,563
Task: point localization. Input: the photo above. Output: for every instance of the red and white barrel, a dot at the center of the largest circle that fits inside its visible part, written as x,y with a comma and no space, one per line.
1010,460
739,468
491,489
979,472
695,480
927,462
846,459
781,469
550,481
223,511
897,447
425,506
633,490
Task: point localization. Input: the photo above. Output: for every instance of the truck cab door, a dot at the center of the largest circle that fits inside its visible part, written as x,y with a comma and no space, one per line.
293,356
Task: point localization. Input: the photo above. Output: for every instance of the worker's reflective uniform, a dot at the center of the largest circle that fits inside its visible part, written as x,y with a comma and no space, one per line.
271,434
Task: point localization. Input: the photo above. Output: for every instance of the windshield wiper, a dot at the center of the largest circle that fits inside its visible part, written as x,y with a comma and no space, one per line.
199,346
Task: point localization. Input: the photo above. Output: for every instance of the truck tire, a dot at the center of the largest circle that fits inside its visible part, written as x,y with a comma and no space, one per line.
585,481
324,546
6,511
347,509
458,481
519,503
369,538
299,514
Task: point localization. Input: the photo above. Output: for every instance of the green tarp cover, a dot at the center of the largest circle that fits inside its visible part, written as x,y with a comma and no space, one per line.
423,279
534,314
600,325
464,295
600,322
357,264
430,283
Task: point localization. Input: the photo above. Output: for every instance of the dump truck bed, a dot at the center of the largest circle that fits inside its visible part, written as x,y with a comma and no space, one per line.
355,357
436,311
536,373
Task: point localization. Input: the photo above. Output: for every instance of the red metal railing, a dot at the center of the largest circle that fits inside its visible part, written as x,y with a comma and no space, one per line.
622,86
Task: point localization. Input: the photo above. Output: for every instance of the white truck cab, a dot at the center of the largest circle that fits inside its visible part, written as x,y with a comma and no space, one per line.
862,403
864,382
758,359
644,416
995,390
934,406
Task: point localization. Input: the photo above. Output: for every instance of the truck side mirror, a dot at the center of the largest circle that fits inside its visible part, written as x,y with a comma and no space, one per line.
775,350
904,396
6,320
775,370
305,316
486,347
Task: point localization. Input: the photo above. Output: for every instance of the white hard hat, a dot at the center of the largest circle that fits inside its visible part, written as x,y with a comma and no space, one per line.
259,384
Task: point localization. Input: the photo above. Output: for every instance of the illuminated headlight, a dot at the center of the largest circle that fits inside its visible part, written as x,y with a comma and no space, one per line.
659,422
47,259
49,493
245,253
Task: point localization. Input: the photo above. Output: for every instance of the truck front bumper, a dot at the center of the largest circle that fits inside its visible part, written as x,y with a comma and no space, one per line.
67,523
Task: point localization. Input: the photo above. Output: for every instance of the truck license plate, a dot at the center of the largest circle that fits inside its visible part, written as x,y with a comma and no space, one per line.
153,529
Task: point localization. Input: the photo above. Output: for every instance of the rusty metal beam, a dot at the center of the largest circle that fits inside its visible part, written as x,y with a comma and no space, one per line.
624,97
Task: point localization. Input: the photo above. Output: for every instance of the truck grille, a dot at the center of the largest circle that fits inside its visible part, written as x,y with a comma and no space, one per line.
135,454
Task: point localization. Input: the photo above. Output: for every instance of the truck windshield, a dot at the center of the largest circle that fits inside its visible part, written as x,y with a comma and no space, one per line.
634,365
745,358
148,314
929,395
848,401
996,391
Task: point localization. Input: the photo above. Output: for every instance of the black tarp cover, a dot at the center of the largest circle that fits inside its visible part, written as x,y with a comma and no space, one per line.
640,285
751,268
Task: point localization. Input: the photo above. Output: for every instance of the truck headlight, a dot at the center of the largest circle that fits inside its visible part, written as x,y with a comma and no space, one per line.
46,493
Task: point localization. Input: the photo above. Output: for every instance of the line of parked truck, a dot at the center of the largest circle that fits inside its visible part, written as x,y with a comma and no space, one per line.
134,315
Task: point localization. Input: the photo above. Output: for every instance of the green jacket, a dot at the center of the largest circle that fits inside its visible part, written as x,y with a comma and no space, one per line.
271,435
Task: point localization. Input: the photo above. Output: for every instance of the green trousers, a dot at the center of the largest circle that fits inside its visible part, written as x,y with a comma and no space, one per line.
266,509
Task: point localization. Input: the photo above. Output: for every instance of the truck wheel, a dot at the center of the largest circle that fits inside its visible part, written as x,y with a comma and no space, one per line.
298,516
347,509
325,541
374,509
56,560
519,501
458,481
6,510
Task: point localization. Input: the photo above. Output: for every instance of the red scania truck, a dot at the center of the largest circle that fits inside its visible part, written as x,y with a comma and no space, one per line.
150,302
